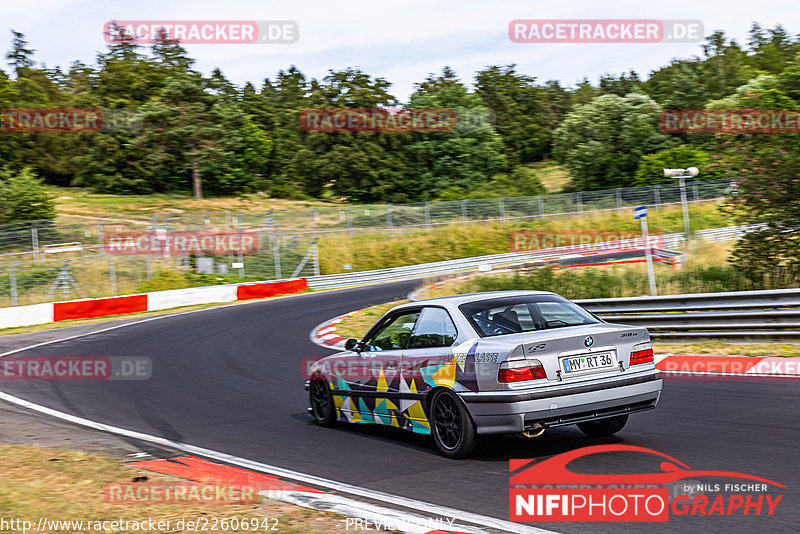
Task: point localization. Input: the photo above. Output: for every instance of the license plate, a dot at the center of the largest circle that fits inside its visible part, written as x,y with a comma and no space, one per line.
588,362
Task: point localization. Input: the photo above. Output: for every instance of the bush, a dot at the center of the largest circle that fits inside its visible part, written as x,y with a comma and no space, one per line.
23,197
591,283
651,167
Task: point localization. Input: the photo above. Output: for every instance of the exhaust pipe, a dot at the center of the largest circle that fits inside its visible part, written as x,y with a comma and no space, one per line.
535,431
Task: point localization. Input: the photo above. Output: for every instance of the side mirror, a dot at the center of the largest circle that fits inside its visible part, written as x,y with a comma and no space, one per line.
351,344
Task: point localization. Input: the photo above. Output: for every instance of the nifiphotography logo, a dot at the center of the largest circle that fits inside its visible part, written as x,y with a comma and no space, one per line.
550,491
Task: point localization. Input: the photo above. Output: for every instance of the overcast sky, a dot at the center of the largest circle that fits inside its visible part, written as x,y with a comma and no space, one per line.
401,41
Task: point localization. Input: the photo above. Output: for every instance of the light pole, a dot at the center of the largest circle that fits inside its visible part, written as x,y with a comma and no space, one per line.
681,174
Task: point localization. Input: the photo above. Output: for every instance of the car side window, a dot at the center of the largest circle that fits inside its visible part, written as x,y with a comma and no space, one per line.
394,333
435,328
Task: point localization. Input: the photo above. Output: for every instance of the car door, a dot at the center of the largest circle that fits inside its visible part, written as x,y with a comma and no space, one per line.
427,362
373,374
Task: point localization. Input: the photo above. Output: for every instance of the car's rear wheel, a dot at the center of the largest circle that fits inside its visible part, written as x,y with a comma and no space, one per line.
321,401
603,427
451,426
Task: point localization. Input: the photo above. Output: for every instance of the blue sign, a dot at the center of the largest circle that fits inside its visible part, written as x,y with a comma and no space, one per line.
640,212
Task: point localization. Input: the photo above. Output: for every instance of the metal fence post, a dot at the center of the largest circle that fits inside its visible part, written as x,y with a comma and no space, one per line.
276,252
316,258
239,256
541,206
579,200
428,215
348,215
100,235
12,276
464,209
657,195
501,207
35,244
684,207
619,198
696,190
389,216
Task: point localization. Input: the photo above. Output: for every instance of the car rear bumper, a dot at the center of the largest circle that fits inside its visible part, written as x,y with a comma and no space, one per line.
500,412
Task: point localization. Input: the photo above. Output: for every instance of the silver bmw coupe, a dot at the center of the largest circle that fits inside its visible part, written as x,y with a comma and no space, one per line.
510,362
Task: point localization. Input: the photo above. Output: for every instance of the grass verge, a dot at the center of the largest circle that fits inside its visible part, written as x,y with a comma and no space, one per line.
81,202
367,251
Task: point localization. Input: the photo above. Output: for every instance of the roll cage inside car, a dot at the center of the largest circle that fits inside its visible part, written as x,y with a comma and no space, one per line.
498,316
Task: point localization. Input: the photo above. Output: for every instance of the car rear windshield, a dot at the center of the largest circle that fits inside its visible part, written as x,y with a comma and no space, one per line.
510,315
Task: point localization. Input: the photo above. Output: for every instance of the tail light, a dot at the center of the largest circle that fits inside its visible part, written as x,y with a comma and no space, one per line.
642,353
520,370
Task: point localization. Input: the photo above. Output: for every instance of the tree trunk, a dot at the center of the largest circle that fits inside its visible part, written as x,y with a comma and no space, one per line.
197,185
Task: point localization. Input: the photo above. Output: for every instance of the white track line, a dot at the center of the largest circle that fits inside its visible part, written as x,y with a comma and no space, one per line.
331,485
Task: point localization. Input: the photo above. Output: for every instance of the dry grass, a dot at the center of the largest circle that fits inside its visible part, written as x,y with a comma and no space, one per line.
77,202
367,251
68,485
552,175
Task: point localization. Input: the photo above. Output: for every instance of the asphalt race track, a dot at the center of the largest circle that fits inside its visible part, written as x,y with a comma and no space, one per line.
229,379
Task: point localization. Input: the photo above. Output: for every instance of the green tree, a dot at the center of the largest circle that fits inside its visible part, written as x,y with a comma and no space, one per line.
362,166
621,85
516,103
467,158
603,141
20,56
187,137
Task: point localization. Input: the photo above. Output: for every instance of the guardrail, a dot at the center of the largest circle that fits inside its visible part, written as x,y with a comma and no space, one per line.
738,315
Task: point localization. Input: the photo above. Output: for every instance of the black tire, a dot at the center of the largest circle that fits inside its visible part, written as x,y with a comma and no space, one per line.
451,426
603,427
321,402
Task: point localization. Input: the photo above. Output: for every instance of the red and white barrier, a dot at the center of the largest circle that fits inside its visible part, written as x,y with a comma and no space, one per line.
157,300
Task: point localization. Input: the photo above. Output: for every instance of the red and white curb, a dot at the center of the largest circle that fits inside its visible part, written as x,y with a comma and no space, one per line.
325,334
362,517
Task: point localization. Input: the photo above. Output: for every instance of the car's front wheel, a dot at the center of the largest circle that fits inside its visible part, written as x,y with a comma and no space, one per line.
451,426
603,427
321,401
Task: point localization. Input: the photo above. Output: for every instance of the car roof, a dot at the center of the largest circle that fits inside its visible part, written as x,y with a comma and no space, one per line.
456,300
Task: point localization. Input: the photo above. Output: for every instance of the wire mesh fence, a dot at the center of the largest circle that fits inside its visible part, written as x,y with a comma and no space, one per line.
69,257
